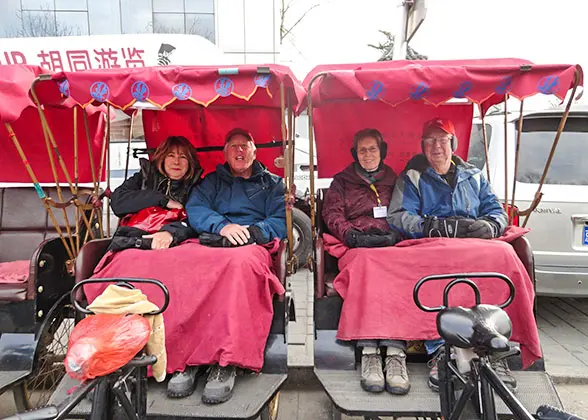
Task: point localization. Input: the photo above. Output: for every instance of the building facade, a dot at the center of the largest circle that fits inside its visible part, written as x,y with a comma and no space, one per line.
247,30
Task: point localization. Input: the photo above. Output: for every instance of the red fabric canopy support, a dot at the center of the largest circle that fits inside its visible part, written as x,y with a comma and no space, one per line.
29,132
18,109
172,86
398,97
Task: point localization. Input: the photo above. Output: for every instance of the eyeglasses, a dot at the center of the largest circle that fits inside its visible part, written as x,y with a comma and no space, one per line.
364,151
442,141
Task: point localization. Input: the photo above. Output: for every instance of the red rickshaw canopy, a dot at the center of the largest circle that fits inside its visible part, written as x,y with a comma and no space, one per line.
202,103
18,109
397,97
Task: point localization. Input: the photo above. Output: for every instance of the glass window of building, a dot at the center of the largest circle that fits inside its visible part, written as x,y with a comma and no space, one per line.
104,17
72,23
201,24
71,5
136,16
168,23
170,6
199,6
38,4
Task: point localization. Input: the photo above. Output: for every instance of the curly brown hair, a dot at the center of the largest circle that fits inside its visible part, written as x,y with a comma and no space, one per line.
184,145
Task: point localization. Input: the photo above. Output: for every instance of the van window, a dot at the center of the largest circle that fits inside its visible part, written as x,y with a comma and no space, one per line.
476,152
536,142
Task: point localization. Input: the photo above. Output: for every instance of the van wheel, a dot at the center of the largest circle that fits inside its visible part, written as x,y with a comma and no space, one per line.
302,236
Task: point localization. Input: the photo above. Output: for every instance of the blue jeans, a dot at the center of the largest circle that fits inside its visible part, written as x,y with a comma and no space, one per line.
433,345
399,344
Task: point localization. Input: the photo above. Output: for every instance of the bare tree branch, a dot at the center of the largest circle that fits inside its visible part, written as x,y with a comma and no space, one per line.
40,24
386,49
283,14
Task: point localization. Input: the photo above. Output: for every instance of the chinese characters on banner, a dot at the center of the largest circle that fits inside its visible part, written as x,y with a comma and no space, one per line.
78,60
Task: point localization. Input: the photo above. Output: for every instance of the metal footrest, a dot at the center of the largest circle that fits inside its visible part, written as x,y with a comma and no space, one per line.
342,386
7,379
251,393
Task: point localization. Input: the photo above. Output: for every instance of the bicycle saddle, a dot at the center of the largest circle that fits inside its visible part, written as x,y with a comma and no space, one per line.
486,328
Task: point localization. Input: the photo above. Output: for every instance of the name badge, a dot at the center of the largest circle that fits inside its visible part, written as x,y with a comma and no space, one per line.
380,212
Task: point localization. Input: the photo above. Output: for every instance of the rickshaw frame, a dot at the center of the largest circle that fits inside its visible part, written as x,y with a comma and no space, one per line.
284,311
333,355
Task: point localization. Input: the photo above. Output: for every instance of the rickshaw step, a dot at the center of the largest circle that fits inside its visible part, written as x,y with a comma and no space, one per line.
9,378
251,393
342,386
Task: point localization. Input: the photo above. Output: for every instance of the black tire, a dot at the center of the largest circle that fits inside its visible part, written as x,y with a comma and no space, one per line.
302,236
271,410
48,368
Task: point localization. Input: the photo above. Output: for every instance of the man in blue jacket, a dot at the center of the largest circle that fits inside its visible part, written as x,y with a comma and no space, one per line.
440,195
243,203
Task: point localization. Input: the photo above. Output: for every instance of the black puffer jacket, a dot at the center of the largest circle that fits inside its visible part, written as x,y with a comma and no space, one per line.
148,188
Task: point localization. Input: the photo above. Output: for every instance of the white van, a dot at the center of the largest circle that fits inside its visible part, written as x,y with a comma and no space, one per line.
559,225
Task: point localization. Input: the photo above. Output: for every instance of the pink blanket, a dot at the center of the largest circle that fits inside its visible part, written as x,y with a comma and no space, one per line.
14,272
377,286
220,299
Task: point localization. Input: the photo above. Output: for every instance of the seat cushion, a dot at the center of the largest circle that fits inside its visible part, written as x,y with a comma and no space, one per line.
14,276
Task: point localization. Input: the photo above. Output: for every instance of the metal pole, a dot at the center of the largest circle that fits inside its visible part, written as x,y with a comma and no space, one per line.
400,44
129,143
516,168
485,137
505,152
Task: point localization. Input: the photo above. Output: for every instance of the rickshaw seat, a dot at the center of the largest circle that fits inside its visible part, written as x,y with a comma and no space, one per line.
24,239
483,327
326,265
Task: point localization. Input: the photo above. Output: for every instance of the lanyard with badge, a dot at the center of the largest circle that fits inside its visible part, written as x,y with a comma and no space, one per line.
380,211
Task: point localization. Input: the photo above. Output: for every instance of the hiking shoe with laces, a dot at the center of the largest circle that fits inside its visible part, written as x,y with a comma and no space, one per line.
182,384
219,384
503,371
372,375
397,381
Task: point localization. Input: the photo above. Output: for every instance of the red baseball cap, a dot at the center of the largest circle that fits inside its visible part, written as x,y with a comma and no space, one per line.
239,131
440,123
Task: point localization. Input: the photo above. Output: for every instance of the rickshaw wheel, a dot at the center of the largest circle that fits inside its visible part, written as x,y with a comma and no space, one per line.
48,367
270,411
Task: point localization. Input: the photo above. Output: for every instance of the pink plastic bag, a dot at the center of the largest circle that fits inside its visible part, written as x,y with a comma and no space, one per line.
103,343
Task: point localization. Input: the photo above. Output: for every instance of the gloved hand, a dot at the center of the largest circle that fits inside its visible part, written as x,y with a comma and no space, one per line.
256,235
119,243
448,227
218,241
374,238
483,229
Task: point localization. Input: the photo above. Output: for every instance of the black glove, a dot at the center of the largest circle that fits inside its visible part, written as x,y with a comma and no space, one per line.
483,229
371,239
448,227
119,243
256,235
218,241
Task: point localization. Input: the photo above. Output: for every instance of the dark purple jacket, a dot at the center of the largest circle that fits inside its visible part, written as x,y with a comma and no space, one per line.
350,201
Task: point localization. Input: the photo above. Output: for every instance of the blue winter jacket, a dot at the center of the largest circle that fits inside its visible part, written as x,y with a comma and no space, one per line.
420,192
221,199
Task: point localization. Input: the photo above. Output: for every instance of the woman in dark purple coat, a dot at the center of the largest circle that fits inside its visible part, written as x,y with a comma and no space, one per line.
355,212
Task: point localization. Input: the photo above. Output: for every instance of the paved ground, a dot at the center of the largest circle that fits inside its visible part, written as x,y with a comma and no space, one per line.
563,325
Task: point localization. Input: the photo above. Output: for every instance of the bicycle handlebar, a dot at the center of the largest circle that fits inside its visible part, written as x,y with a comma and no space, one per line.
460,278
119,281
